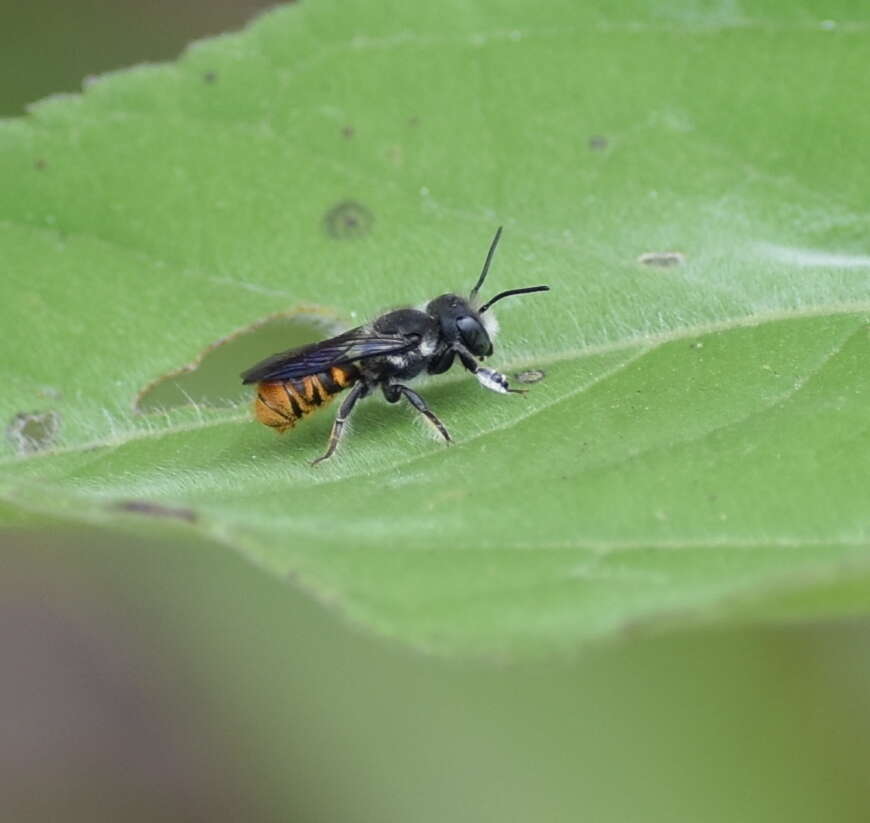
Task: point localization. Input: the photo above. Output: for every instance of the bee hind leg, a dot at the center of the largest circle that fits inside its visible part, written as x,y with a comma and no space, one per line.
358,391
394,392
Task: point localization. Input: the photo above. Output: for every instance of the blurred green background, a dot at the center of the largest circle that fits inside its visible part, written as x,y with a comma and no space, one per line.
155,679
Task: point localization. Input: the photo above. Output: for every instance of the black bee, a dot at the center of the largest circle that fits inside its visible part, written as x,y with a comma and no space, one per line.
397,346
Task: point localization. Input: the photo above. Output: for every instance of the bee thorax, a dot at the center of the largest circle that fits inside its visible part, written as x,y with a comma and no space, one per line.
428,345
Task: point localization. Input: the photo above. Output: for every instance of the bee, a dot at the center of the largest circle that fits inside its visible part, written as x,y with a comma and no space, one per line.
397,346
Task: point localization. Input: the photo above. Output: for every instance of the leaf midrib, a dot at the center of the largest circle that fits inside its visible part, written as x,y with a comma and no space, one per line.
647,344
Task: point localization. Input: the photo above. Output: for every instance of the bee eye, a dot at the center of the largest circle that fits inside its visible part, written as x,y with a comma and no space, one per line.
474,336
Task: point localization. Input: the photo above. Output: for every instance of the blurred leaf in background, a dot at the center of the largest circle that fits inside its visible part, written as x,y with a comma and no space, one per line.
695,451
165,679
49,47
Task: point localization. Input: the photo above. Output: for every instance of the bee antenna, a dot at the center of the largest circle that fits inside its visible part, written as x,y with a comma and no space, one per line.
489,255
508,293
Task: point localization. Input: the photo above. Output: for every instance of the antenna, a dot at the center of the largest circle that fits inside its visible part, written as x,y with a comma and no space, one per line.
508,293
489,255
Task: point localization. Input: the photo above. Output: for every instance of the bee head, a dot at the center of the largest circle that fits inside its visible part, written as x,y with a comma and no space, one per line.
462,322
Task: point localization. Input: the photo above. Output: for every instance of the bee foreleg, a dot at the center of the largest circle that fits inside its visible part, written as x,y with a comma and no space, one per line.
394,391
358,391
488,378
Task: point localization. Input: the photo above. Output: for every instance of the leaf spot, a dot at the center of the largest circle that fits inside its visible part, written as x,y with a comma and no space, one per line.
662,259
348,220
531,376
150,509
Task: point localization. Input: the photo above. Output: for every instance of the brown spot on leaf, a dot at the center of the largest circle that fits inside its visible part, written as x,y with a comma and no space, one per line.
39,164
347,132
210,77
662,259
347,220
598,143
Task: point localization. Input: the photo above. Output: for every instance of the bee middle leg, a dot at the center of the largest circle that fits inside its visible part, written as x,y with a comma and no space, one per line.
358,391
393,392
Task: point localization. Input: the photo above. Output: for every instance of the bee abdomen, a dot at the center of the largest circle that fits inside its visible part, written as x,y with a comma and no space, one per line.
280,405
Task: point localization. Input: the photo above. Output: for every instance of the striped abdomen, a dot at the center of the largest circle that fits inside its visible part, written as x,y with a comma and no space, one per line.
280,405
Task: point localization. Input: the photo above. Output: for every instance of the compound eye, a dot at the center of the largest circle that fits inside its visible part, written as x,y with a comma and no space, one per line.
474,336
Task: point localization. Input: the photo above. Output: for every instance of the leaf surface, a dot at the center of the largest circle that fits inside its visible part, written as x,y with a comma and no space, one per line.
689,181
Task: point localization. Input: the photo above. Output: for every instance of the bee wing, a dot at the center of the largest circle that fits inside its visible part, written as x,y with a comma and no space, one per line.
356,344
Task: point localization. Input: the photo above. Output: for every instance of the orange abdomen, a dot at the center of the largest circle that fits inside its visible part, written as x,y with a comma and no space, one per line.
281,405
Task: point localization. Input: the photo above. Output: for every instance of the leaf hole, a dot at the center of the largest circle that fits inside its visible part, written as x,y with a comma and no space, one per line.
213,378
30,432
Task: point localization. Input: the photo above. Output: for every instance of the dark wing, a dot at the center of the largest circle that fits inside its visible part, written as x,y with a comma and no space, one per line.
355,344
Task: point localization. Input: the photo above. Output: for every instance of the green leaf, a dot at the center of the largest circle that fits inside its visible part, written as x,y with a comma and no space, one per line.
689,181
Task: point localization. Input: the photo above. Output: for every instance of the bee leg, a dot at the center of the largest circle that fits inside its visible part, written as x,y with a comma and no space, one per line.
488,378
394,391
358,391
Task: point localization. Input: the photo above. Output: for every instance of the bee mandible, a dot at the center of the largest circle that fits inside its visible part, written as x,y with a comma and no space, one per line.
395,347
